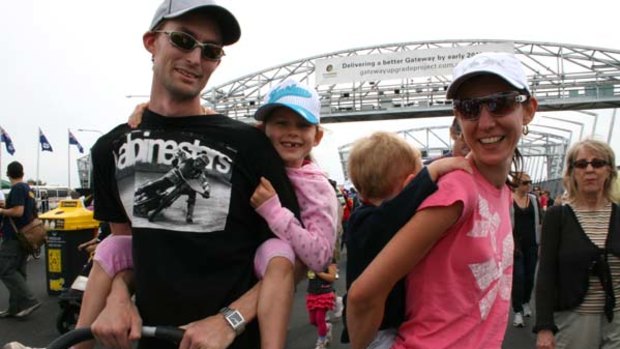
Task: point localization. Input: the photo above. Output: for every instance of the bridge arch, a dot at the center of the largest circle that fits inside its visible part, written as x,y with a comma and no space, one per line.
562,77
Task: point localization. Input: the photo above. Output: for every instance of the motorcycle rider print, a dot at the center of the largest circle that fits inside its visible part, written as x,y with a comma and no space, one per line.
188,176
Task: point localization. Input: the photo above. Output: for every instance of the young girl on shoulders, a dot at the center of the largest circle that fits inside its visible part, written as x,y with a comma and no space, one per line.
290,119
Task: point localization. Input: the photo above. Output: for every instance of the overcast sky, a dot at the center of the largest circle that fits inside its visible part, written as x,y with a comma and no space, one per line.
71,63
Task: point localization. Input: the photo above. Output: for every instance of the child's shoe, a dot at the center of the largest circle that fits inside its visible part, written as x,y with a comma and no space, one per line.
321,343
518,320
339,308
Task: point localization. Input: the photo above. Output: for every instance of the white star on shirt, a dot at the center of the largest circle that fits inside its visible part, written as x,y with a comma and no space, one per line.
492,269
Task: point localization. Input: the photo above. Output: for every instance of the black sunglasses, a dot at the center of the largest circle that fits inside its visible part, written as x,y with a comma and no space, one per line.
498,104
187,42
596,163
526,182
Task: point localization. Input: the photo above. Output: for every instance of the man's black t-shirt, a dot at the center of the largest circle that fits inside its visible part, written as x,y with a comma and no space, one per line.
188,271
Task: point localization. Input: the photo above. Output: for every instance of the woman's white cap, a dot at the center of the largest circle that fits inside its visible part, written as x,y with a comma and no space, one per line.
505,65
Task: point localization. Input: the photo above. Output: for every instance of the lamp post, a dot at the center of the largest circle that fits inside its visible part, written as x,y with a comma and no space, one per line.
90,130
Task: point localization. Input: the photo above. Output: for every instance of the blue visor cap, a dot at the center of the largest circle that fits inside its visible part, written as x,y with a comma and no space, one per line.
301,99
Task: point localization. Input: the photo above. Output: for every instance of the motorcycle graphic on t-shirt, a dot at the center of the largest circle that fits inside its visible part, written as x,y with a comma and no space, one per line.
169,179
187,177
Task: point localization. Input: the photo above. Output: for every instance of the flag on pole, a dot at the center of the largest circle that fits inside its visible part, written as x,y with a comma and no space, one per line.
45,145
4,137
74,141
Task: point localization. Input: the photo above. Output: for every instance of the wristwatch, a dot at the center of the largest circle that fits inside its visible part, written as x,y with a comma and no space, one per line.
234,319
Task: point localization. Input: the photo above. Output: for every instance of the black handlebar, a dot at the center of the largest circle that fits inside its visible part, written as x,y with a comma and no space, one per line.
169,333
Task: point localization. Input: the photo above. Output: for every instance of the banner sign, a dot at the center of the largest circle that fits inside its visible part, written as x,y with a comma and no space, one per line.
398,65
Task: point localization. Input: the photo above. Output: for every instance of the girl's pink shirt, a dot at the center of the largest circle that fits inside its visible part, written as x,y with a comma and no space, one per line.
313,242
458,296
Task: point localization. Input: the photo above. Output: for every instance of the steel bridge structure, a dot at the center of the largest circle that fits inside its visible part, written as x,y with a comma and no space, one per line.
562,77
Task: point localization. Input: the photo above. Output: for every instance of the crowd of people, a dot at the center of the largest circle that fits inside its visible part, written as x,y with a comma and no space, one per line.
438,253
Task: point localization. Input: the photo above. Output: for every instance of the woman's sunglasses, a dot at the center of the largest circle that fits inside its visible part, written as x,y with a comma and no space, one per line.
596,163
187,42
498,104
526,182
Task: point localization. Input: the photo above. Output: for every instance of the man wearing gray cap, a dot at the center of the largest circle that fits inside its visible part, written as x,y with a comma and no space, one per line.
198,275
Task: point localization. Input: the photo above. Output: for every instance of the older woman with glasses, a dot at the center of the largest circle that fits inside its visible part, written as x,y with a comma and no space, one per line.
456,252
577,283
526,234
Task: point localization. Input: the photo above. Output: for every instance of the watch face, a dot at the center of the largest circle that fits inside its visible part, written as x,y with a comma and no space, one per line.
235,319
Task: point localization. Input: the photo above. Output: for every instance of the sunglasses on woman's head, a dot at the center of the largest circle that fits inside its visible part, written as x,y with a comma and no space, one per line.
498,104
187,42
596,163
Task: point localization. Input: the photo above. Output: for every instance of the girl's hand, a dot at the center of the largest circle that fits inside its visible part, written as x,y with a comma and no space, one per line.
136,117
330,275
208,111
264,191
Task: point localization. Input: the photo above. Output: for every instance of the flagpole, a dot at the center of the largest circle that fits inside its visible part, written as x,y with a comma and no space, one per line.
68,160
38,152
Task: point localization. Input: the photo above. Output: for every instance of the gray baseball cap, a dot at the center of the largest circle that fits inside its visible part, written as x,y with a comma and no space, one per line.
175,8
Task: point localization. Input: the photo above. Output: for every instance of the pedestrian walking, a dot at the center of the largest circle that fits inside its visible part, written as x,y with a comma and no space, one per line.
526,218
577,288
19,211
319,300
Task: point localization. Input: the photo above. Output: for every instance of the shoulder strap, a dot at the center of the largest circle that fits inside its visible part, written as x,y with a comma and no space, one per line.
33,200
537,213
536,202
15,230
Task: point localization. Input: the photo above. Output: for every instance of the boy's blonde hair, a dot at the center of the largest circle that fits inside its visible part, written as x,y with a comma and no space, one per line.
380,162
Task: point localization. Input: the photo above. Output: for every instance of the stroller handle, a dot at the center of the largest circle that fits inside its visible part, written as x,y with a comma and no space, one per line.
169,333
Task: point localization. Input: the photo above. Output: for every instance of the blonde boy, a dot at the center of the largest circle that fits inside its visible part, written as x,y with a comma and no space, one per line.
388,175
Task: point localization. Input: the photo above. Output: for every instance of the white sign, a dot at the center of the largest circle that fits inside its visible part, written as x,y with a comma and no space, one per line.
398,65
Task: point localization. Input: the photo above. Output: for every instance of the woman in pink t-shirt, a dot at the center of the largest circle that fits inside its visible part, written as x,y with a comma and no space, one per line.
456,251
